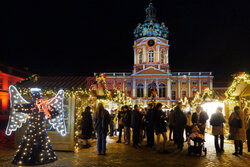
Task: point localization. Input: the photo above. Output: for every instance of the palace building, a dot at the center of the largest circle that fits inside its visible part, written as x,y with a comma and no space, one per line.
151,63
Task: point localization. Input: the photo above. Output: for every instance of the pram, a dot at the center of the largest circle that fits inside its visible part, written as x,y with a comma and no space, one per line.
198,143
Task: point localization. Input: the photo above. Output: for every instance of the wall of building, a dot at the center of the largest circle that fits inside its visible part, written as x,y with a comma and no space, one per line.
5,81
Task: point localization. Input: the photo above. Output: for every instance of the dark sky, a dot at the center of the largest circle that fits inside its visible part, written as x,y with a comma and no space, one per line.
82,37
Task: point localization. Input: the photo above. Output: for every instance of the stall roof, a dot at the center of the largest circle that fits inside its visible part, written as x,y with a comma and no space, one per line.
54,82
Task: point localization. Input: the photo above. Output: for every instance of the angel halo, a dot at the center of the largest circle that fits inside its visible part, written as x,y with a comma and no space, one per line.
35,147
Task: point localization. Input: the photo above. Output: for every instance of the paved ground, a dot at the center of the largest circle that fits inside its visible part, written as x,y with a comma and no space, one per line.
123,155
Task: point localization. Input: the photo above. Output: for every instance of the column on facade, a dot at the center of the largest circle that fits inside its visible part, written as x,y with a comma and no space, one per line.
189,87
179,88
167,56
157,86
144,53
169,88
145,88
134,87
158,52
123,85
211,83
199,85
135,56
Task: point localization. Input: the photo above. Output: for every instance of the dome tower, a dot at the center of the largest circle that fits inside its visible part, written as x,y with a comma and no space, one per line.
151,44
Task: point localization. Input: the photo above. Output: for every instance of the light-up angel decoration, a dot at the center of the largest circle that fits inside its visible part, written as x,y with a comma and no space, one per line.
35,147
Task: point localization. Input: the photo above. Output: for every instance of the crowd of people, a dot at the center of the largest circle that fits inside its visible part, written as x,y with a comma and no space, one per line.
145,123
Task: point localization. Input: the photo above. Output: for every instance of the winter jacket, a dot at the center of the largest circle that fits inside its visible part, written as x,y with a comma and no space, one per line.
217,119
150,118
101,124
202,119
160,122
136,119
179,118
127,118
238,133
87,125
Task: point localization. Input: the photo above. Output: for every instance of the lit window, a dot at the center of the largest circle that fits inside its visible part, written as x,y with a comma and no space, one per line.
194,91
140,88
162,90
151,56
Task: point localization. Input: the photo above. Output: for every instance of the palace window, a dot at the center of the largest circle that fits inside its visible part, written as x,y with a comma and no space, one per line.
194,83
140,90
183,83
173,83
162,57
151,56
140,57
184,93
1,83
204,83
194,91
162,90
173,94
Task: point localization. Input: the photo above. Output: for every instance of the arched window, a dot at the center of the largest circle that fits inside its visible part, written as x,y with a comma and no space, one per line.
162,57
140,57
140,90
162,90
151,56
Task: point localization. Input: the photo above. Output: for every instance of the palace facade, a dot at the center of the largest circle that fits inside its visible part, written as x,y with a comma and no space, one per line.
151,63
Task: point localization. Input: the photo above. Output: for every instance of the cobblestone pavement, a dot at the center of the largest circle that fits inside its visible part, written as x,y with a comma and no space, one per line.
123,155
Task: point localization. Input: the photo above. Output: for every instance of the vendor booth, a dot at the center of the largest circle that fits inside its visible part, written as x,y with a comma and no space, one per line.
76,98
239,92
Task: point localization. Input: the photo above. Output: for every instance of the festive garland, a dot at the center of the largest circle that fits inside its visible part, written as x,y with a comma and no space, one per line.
241,77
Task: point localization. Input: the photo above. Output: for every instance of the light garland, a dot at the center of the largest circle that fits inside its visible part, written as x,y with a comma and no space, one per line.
241,77
35,138
83,98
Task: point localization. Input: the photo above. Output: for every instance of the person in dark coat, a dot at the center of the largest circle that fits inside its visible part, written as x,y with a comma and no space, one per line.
247,125
112,123
200,118
171,124
136,120
237,129
127,124
121,115
102,120
160,126
180,121
217,120
150,119
87,127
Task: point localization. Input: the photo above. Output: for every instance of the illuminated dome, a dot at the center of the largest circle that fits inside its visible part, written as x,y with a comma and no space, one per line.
151,27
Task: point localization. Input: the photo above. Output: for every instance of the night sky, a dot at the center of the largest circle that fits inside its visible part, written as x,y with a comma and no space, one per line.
82,37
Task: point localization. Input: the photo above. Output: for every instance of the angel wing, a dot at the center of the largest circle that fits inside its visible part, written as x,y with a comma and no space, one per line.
58,122
16,119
